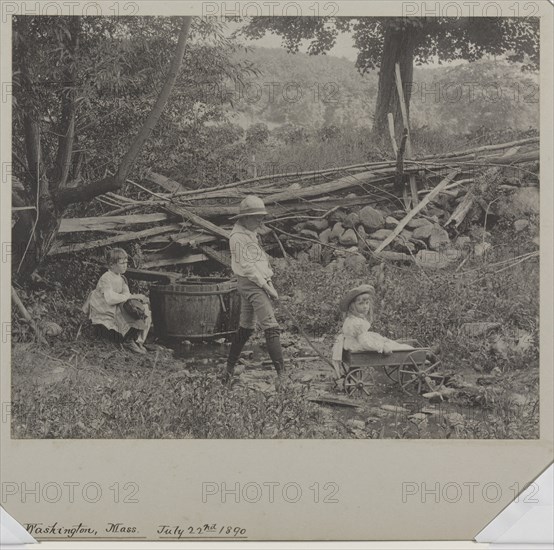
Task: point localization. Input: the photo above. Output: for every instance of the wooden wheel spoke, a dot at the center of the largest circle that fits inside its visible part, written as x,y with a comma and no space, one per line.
410,381
431,367
408,372
430,383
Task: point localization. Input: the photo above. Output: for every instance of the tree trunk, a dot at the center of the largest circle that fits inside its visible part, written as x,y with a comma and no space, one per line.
33,237
398,48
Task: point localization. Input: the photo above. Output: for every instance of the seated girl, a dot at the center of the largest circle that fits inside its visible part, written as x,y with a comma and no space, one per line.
104,306
357,308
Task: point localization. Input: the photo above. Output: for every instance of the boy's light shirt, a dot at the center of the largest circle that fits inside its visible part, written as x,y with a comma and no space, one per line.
248,259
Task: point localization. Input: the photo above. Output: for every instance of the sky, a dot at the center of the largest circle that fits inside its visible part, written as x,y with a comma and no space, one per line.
343,48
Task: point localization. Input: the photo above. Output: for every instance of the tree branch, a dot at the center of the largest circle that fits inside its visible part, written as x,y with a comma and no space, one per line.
68,108
155,113
69,195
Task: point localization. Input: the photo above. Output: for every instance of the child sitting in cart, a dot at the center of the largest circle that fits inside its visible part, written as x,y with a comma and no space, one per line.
357,308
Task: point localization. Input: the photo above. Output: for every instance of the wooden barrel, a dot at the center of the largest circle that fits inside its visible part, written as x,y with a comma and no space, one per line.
196,308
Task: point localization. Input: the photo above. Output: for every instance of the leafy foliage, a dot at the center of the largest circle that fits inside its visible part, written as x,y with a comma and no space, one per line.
447,38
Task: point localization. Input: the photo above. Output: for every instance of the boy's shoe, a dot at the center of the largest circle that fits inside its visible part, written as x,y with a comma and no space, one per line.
134,347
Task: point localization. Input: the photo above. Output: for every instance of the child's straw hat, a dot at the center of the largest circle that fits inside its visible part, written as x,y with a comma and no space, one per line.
353,294
251,206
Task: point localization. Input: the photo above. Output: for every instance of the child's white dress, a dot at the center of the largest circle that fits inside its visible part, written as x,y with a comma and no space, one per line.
356,336
104,306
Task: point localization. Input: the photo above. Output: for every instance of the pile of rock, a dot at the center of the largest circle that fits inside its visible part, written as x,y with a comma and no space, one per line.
423,240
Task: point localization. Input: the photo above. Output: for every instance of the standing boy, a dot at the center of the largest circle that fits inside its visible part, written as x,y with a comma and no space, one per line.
250,264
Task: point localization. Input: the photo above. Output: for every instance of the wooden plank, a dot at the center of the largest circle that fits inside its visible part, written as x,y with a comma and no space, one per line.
392,135
99,223
179,260
193,239
221,256
197,220
165,183
403,108
346,182
462,210
406,122
128,236
398,229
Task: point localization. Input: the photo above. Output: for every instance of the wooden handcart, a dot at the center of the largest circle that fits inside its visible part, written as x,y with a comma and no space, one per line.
415,370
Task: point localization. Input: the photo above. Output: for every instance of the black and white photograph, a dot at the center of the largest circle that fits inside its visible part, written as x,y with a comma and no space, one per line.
238,226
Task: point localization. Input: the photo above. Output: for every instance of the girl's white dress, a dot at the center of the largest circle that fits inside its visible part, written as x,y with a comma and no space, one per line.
356,336
104,305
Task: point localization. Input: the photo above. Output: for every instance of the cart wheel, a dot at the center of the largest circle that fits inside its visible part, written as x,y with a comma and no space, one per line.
392,373
356,383
414,377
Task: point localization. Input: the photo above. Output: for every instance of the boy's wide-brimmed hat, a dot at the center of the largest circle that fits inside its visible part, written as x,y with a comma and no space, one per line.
251,206
353,294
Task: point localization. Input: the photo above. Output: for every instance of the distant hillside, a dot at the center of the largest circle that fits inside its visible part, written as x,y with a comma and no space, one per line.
316,91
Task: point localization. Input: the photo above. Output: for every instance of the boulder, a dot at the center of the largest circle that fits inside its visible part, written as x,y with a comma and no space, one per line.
437,212
309,234
381,234
351,221
374,244
431,259
439,238
520,225
390,222
406,234
371,218
417,222
355,263
348,238
324,235
337,216
337,231
403,246
316,225
423,231
522,202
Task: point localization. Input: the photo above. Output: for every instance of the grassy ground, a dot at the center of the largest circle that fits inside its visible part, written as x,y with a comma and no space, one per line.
80,387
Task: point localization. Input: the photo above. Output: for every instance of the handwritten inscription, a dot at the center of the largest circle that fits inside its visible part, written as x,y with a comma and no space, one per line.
80,530
120,528
208,530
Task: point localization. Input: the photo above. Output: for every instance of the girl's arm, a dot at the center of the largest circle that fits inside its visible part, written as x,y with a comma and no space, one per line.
110,295
367,341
